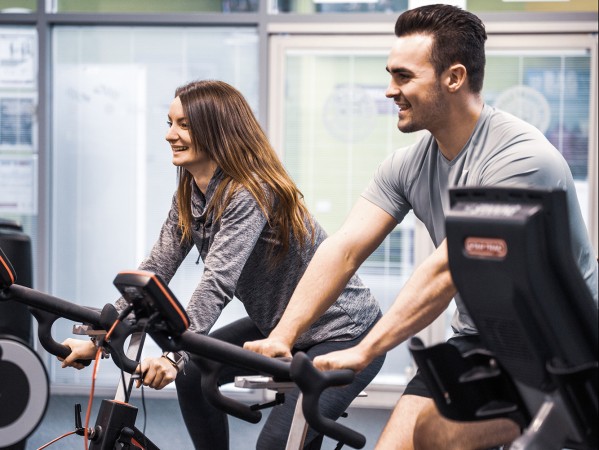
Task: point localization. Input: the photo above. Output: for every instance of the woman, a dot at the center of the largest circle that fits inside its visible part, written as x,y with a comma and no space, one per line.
237,205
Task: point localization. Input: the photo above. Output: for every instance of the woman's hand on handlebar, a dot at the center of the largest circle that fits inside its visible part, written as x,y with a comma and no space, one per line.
80,349
156,373
269,347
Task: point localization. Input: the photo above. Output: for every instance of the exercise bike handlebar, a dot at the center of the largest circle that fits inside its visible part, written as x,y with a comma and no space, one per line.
312,382
213,354
47,309
53,305
152,300
169,335
227,353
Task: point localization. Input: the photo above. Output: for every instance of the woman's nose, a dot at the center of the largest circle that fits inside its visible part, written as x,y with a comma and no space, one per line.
170,134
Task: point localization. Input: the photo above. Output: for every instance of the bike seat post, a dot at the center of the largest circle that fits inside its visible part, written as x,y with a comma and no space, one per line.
134,350
298,429
299,426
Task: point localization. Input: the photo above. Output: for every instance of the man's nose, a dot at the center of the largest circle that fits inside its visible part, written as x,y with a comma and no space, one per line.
392,90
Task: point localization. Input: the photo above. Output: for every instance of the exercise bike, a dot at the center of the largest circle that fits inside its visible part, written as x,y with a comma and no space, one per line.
156,312
167,324
23,375
510,257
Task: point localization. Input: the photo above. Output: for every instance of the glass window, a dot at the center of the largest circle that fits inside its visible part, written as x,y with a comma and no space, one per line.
113,179
18,127
157,6
18,6
337,6
531,5
398,6
550,86
337,128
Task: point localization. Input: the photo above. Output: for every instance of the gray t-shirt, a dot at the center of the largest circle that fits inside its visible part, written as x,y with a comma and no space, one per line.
502,151
235,250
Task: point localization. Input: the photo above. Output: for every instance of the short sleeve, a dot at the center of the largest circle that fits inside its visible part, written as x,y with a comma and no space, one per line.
387,189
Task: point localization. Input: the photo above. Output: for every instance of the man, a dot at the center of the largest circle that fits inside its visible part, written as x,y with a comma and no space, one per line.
437,69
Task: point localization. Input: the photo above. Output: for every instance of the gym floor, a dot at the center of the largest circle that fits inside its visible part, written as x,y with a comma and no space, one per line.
164,425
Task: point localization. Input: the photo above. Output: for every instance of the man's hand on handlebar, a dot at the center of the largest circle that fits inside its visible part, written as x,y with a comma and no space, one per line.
269,347
80,349
156,372
349,358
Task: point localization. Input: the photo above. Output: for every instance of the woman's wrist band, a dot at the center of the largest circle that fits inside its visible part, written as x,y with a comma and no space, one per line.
178,360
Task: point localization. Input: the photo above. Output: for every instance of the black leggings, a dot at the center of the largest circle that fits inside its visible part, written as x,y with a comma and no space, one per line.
208,426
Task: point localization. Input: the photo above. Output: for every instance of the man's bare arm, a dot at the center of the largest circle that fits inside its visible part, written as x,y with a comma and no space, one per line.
333,264
423,298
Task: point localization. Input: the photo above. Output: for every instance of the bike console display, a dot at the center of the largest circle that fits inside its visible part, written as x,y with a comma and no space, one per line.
151,298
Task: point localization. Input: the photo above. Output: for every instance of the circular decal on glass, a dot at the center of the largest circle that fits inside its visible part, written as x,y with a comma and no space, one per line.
526,103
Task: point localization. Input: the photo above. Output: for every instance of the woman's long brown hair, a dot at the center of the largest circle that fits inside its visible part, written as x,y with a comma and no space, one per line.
222,125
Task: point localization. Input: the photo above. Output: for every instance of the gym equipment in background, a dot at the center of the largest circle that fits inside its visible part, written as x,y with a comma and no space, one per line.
15,319
511,260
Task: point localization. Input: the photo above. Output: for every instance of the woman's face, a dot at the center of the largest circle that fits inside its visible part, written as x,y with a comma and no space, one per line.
179,137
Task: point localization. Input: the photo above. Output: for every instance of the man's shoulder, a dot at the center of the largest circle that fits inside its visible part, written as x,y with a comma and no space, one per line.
502,131
416,151
503,121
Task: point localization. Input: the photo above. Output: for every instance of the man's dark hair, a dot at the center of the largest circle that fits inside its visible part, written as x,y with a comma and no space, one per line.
458,37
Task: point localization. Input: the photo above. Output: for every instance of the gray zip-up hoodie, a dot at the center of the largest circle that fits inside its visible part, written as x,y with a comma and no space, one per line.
235,252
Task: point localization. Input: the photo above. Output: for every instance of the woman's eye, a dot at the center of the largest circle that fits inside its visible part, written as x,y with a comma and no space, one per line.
169,123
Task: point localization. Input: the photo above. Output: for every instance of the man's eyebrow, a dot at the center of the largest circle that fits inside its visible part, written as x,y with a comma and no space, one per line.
398,70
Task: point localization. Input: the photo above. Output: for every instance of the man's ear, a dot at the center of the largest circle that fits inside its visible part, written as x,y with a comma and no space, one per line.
455,77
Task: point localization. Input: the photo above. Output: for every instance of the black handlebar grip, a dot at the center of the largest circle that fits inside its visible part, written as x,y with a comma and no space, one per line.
54,305
116,342
230,354
45,321
210,375
312,383
47,309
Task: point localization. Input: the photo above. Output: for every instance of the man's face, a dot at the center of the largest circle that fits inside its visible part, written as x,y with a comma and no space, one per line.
414,87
